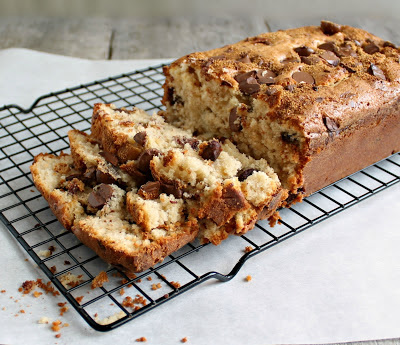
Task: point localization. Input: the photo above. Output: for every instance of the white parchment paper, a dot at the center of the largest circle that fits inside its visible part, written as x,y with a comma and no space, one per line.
338,281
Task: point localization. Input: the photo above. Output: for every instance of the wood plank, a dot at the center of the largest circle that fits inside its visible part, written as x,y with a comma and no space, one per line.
177,36
386,28
86,38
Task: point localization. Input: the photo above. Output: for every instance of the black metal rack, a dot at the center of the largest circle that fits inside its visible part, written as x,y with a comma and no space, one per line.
43,128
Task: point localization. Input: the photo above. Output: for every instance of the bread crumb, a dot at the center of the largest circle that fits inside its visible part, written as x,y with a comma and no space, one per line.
138,281
156,286
53,269
248,249
248,278
99,280
58,335
109,319
166,296
27,286
79,299
63,310
70,280
26,259
36,294
141,340
176,285
44,320
3,291
122,292
184,340
4,308
149,278
56,325
22,311
44,253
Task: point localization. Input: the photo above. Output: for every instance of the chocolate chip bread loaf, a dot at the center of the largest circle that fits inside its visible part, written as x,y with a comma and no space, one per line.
225,190
318,103
88,196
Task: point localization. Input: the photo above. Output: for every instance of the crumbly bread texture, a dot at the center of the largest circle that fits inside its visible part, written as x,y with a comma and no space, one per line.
88,196
178,174
318,102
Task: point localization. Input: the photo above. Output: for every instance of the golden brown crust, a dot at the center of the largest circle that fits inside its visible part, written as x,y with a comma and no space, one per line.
148,256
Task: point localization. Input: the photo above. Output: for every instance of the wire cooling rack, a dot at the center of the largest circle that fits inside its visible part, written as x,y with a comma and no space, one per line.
71,266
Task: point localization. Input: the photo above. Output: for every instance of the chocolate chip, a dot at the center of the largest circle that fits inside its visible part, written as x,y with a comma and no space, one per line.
150,190
75,186
315,88
265,77
371,48
310,60
110,158
140,138
346,51
304,51
389,44
289,138
329,28
330,124
172,188
289,60
376,71
245,59
143,162
233,198
172,98
104,177
319,99
330,58
234,125
244,174
138,176
247,82
99,196
303,77
90,174
330,46
194,143
212,150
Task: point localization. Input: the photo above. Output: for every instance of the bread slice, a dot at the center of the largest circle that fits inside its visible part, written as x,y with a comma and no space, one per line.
222,188
78,194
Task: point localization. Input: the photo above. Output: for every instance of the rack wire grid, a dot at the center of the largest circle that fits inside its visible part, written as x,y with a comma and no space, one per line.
43,127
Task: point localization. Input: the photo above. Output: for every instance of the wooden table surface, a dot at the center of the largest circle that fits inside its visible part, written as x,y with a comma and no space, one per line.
162,37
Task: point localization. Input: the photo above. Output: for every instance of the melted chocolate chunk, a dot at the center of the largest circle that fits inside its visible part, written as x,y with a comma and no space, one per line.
304,51
303,77
289,138
290,87
257,39
110,158
376,71
271,91
143,162
245,59
329,28
265,77
98,197
226,83
172,188
310,60
140,138
150,190
104,177
212,150
90,174
234,125
247,82
370,48
244,174
233,198
330,58
346,50
330,124
172,98
330,46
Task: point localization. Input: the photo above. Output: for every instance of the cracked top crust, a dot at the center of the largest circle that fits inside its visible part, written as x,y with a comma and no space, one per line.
318,79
